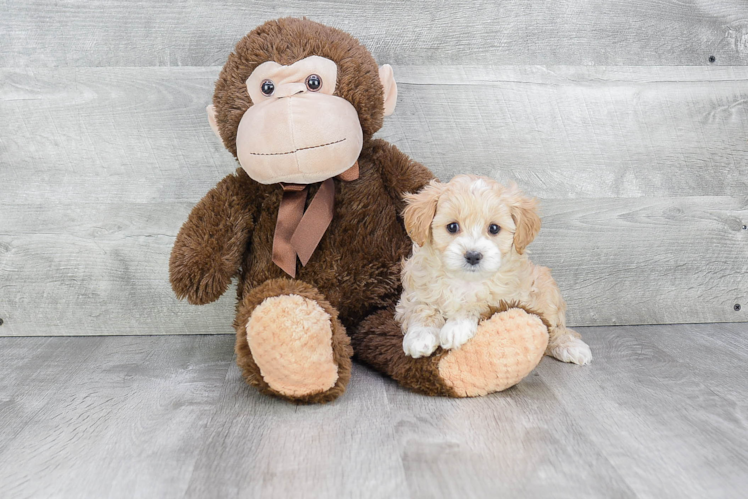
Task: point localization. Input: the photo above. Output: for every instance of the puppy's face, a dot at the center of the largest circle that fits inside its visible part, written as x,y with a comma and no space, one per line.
473,223
472,229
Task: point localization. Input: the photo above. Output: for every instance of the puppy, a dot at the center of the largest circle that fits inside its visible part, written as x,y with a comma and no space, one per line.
469,246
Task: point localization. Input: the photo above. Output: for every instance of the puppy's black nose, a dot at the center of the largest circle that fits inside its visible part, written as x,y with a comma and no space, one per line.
473,257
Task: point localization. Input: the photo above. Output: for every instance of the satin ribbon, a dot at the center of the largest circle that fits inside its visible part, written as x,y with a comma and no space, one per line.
298,232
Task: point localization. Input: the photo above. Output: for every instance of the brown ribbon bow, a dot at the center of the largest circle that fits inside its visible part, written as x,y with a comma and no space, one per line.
298,232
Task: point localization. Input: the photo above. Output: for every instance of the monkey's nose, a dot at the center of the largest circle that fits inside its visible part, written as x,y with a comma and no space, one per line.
289,89
473,257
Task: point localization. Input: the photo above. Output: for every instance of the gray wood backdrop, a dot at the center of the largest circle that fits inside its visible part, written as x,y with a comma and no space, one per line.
611,112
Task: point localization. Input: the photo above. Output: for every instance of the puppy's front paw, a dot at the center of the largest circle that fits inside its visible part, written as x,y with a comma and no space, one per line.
456,332
421,341
571,350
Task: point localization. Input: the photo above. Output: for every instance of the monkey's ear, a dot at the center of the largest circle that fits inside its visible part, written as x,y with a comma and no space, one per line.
212,120
387,77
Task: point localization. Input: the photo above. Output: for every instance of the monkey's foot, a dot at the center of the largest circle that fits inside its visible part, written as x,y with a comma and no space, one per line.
293,346
506,348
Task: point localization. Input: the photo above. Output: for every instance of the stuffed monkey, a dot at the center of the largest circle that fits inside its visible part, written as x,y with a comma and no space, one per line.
311,225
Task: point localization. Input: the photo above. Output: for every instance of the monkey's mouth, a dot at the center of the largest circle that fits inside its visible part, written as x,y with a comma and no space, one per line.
300,149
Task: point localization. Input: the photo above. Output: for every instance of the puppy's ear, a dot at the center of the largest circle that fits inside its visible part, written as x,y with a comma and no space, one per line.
524,212
420,211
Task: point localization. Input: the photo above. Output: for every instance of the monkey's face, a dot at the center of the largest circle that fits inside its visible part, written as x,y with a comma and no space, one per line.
297,130
297,99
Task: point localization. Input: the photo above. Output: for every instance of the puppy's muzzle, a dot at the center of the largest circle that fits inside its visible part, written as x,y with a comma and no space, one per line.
473,258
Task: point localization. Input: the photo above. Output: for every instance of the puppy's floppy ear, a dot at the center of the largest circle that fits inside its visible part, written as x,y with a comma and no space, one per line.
524,212
420,211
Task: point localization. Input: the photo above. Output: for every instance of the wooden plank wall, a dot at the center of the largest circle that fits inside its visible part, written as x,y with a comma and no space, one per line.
610,112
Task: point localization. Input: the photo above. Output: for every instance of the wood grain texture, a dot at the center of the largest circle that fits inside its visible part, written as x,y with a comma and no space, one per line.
193,33
97,269
45,364
626,407
108,135
643,173
577,132
659,413
93,269
139,135
345,449
120,419
647,261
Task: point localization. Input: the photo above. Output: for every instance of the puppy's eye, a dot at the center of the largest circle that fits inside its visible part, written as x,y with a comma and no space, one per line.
494,229
453,227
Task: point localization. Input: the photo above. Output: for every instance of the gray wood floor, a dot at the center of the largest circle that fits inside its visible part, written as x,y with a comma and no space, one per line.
662,411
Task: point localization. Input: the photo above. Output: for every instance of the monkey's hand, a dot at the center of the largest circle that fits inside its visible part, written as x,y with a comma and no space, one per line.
210,246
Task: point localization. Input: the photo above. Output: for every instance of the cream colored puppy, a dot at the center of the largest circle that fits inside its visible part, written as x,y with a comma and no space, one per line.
469,254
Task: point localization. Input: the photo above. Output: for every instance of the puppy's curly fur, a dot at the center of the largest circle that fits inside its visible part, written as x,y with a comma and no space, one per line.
470,237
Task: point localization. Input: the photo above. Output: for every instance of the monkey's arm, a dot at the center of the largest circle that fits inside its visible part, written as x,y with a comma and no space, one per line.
210,245
400,174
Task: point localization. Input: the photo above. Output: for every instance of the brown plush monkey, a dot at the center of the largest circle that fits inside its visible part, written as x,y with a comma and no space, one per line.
311,225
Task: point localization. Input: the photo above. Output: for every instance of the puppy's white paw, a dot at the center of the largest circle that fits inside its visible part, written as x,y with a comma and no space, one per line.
571,350
456,332
421,341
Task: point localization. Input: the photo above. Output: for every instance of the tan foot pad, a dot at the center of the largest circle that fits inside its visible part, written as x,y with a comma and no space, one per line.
505,349
291,341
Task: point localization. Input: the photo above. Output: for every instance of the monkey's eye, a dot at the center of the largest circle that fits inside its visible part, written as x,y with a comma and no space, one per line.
313,82
494,229
267,88
453,227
